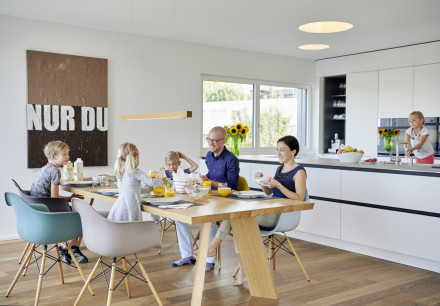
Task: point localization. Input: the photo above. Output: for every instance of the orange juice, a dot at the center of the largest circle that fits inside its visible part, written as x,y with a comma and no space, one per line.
169,194
207,184
159,191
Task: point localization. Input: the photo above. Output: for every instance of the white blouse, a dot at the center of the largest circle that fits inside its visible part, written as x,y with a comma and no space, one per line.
426,149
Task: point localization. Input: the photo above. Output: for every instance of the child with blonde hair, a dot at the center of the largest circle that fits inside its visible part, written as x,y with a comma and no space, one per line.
128,205
418,136
172,161
47,185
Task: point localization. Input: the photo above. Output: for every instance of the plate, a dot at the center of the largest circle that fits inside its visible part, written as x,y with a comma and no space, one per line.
249,194
161,201
77,183
108,192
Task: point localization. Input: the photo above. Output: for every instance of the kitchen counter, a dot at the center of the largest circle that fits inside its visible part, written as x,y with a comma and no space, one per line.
327,163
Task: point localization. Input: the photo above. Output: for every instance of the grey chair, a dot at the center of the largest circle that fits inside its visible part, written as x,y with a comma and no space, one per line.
116,239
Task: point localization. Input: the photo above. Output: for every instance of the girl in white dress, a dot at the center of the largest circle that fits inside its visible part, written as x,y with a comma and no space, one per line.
418,135
128,205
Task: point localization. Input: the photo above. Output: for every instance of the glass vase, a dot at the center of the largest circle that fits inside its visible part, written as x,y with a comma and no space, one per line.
235,148
388,143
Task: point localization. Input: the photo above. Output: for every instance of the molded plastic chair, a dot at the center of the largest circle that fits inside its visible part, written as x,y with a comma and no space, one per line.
242,184
287,222
116,239
38,226
53,204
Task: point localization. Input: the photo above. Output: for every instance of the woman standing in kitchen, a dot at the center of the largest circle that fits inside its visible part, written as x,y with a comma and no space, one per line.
418,135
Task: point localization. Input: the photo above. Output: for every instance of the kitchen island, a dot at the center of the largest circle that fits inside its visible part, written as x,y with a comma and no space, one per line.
381,210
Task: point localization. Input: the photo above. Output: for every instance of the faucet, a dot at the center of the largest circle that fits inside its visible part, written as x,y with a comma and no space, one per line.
397,159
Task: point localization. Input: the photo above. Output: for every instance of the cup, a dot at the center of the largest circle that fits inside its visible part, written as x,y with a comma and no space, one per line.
169,191
224,191
103,180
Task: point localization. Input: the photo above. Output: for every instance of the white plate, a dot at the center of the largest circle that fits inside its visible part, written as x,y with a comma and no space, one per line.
249,194
108,192
79,183
161,201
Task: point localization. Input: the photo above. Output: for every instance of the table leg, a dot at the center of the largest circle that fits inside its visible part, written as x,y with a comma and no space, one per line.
199,278
256,267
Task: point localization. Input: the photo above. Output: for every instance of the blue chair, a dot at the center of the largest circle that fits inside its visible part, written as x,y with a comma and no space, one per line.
38,226
287,222
53,204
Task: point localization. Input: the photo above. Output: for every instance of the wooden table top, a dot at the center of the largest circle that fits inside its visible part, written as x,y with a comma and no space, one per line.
211,209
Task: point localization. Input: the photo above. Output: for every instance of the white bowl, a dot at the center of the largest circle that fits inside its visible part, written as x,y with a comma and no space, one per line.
350,157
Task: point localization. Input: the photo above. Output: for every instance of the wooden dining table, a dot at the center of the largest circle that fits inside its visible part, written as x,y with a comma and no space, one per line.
241,212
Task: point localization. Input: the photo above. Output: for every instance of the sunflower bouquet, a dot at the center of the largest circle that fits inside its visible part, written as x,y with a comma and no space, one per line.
236,134
387,135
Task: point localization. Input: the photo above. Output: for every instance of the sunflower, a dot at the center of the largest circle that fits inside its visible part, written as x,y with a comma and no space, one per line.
233,130
380,131
226,128
243,132
239,126
396,132
385,131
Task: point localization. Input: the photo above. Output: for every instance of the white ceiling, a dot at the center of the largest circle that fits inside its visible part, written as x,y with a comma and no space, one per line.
268,26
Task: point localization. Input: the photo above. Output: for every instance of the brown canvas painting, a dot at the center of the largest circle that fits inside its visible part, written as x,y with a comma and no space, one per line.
67,101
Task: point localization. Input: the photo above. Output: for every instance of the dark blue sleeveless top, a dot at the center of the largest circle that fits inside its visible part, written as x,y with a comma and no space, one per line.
286,179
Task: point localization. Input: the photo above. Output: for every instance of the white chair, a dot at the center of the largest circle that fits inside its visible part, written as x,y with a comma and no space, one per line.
116,239
287,222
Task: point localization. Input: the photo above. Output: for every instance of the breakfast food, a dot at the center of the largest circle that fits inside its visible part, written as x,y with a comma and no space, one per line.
370,160
349,149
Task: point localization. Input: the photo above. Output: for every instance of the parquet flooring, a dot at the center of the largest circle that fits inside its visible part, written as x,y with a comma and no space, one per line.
337,278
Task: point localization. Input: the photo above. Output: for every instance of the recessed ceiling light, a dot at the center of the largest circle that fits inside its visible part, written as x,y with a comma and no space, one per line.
325,27
314,47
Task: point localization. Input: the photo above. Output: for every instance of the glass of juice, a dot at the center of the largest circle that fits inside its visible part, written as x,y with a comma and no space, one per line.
152,173
169,191
207,184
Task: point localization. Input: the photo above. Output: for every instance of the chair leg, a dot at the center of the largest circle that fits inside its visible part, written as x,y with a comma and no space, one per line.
28,244
112,281
127,281
41,275
28,262
83,290
196,239
236,271
150,284
273,252
219,256
163,231
297,259
269,246
17,276
60,265
79,241
78,267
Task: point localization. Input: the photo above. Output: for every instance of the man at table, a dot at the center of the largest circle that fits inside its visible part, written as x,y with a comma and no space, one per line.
223,167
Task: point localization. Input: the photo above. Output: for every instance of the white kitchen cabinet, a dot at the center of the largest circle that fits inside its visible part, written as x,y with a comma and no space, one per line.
245,171
395,92
361,111
399,232
324,182
324,219
427,90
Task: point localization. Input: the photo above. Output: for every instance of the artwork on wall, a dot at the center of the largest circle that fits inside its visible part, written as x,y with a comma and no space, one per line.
67,101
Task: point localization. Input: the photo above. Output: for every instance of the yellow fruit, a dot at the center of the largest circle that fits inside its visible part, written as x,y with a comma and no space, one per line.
347,148
361,151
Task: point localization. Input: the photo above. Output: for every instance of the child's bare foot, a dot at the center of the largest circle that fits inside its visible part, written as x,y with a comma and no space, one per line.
240,277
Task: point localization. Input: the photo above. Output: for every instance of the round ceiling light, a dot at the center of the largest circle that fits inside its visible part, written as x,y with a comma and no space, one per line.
314,47
325,27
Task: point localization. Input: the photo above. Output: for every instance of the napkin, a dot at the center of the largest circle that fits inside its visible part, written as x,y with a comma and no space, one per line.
176,206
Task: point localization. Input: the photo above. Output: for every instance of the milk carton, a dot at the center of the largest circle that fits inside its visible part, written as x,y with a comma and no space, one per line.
78,174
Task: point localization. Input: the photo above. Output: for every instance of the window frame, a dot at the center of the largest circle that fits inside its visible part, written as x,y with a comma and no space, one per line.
303,122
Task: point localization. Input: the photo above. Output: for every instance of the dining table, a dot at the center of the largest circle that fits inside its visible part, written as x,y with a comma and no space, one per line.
242,213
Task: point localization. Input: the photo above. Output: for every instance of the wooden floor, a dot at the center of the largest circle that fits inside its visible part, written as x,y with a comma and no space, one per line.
337,277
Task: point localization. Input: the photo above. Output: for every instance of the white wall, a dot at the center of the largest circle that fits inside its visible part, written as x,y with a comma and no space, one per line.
144,75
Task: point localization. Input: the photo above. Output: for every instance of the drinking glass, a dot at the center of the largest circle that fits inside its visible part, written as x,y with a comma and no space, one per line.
103,180
222,185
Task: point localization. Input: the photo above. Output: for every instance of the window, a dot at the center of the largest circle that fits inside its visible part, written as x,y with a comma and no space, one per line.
270,110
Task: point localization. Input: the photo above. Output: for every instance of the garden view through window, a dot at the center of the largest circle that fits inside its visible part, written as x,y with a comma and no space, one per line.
269,111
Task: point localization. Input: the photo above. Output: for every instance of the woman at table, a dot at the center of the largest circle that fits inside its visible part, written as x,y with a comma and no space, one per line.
288,182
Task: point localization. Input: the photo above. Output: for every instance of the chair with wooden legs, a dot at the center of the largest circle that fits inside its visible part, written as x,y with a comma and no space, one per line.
287,222
116,239
164,227
37,226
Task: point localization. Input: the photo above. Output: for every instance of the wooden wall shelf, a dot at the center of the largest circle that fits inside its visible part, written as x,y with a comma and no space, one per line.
148,116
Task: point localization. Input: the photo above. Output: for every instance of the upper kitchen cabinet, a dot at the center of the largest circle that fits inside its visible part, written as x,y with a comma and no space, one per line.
362,105
396,92
334,110
427,90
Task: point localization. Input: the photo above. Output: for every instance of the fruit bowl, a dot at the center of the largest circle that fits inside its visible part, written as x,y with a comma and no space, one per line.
350,157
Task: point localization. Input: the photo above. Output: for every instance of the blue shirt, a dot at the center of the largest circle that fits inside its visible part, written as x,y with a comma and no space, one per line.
286,179
223,168
46,176
170,175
